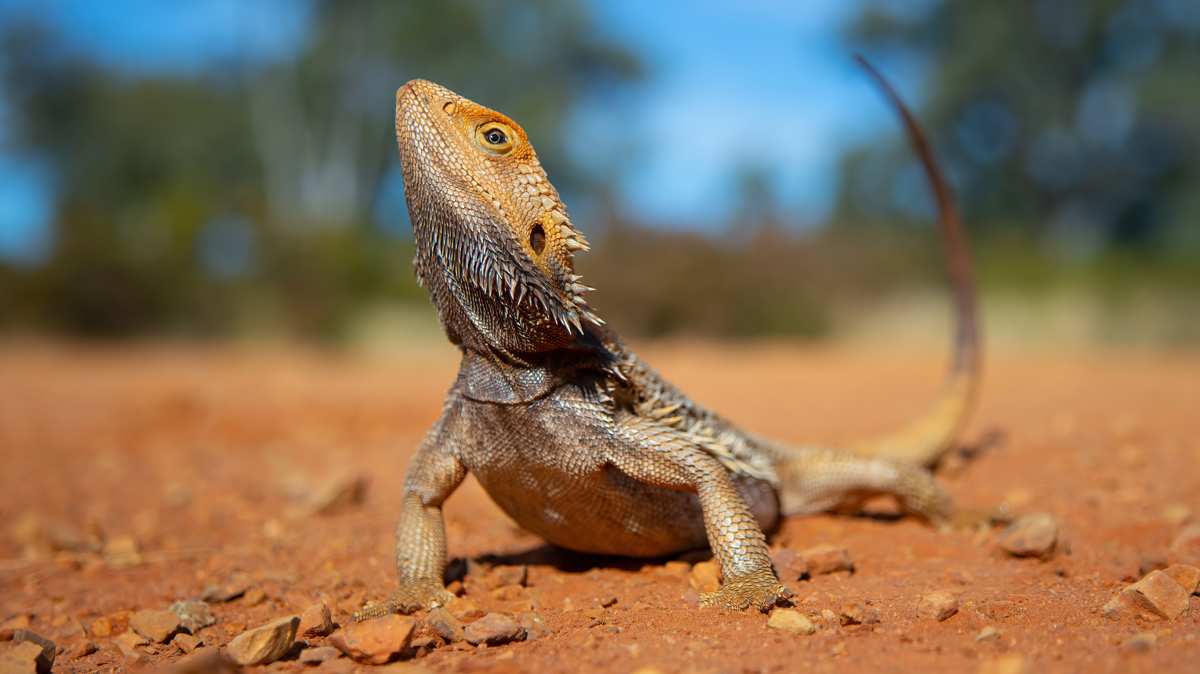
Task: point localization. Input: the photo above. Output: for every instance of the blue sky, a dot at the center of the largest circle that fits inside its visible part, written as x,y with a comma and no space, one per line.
766,83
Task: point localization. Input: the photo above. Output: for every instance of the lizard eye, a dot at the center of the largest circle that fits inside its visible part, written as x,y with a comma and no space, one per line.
495,137
537,239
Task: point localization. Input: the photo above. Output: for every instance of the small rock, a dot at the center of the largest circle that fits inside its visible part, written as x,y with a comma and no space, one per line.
509,575
939,605
508,592
130,645
114,623
1033,535
233,588
987,634
706,576
859,614
375,641
157,626
83,649
535,626
790,620
1185,549
1141,642
35,649
494,629
822,559
254,596
204,661
121,552
338,494
1177,514
194,615
318,655
186,643
1012,663
445,625
1186,575
316,621
465,610
23,659
607,601
1157,594
265,643
677,568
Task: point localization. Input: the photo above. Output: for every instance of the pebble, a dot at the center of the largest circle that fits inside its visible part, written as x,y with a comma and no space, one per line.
186,643
24,658
129,644
121,552
1033,535
233,588
265,643
1185,549
254,596
938,604
194,615
706,576
859,614
790,620
535,625
205,661
375,641
157,626
1141,642
1012,663
318,655
33,650
445,625
1186,575
987,633
316,621
465,610
822,559
1157,594
83,649
494,629
509,575
106,626
677,568
338,495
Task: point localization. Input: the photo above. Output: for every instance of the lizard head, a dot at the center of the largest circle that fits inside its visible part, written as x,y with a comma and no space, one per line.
495,247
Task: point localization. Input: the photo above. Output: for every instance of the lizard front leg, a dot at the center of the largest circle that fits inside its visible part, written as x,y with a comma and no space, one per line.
656,454
434,474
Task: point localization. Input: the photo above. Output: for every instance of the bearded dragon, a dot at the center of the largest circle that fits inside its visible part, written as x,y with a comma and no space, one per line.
570,433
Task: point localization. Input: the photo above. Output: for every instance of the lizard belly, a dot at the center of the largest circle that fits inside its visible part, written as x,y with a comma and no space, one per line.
556,485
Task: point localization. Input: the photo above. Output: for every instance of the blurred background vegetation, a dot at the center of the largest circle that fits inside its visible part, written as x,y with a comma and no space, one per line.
255,191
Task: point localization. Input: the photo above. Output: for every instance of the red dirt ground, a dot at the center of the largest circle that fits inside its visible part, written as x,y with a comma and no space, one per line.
197,454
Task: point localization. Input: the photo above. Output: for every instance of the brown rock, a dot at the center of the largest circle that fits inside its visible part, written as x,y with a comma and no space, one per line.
508,592
254,596
1185,549
157,626
510,575
375,641
1141,642
265,643
194,615
535,626
33,649
231,589
465,610
121,552
1033,535
114,623
1012,663
1186,575
790,620
339,494
22,659
858,614
83,649
677,569
822,559
130,644
186,643
319,655
706,576
1157,594
316,621
938,604
494,629
445,625
204,661
987,634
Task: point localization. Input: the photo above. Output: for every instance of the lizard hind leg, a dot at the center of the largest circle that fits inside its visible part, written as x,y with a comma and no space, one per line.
820,480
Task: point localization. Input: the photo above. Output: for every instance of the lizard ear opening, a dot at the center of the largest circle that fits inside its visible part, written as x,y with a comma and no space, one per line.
537,239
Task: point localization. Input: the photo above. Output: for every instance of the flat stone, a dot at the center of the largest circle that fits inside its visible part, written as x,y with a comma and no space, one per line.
32,649
130,643
1186,575
1157,594
938,605
157,626
1185,549
706,576
265,643
494,629
83,649
316,621
534,624
194,615
822,559
231,589
988,633
22,659
445,625
319,654
375,641
1033,535
790,620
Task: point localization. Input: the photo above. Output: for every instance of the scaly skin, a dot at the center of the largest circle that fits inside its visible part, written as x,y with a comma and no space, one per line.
571,434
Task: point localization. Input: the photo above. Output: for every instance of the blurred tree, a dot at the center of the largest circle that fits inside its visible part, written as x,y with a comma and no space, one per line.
248,192
1075,123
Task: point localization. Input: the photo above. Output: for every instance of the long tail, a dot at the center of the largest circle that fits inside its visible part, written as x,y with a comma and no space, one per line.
925,440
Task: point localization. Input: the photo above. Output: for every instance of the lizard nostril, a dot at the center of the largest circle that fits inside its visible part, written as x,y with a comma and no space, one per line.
537,239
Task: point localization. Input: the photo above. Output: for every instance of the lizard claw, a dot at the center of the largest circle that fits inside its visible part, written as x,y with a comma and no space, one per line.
760,589
410,597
